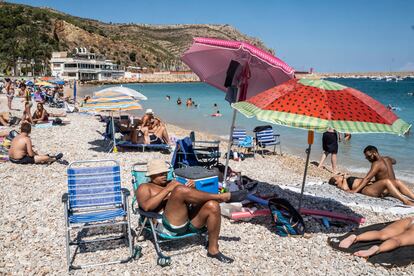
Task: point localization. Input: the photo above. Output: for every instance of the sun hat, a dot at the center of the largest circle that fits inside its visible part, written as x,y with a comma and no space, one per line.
157,166
149,111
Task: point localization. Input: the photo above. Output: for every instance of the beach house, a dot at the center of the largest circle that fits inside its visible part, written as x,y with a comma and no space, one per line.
84,66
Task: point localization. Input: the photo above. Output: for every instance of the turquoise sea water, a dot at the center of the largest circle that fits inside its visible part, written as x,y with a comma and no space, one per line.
293,140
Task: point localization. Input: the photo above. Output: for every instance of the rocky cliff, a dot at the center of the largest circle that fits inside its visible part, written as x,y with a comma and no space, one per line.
152,46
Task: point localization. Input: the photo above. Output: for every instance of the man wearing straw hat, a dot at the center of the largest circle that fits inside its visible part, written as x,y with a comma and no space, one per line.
185,209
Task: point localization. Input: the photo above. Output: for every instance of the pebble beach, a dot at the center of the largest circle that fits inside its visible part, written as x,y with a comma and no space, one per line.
32,227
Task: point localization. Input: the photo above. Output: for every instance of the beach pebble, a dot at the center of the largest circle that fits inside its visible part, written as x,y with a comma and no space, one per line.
32,228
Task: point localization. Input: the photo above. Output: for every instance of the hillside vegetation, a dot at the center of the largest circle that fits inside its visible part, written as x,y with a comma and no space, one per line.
33,33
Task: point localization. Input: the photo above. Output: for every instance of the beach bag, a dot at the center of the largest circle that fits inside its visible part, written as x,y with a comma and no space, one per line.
57,122
287,219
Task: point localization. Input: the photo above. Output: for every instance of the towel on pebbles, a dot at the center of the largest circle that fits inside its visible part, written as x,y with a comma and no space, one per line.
381,205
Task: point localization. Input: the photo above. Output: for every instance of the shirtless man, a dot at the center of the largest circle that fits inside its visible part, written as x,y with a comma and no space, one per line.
21,149
184,209
384,182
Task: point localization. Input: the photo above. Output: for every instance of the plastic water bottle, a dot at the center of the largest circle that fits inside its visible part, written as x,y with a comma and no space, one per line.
235,156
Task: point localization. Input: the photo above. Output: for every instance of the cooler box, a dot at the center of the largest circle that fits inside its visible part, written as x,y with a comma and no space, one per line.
205,180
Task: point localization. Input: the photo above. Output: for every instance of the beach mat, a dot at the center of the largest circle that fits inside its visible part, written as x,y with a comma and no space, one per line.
399,257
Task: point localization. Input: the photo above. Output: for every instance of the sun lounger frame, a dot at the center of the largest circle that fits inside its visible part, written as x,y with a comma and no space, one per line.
89,204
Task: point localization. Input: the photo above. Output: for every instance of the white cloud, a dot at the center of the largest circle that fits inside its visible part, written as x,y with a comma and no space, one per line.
409,66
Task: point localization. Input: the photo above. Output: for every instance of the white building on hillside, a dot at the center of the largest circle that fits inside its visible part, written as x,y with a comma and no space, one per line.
83,65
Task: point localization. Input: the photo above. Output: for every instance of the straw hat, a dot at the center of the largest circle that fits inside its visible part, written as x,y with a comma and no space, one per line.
156,166
149,111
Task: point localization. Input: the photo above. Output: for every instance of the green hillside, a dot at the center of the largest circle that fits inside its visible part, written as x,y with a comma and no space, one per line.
33,33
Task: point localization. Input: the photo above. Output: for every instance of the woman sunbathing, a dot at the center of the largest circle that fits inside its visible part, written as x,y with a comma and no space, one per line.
42,116
397,234
380,188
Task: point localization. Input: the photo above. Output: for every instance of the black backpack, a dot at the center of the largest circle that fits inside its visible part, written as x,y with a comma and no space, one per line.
57,122
288,221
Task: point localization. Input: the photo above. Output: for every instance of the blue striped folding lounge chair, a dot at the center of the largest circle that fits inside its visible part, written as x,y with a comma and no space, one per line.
95,199
147,220
265,137
239,137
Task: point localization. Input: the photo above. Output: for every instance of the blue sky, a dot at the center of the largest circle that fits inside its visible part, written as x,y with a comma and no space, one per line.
328,35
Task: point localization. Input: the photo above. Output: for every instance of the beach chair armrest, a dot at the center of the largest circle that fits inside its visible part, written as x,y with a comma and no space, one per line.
207,142
125,192
149,214
65,197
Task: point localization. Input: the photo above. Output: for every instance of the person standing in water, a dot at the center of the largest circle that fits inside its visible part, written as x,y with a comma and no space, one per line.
330,146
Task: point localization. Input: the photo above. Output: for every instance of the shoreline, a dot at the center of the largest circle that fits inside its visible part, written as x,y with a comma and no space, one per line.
32,239
185,77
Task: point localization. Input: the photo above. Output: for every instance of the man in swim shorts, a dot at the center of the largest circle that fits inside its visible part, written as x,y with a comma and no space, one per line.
185,209
21,149
380,181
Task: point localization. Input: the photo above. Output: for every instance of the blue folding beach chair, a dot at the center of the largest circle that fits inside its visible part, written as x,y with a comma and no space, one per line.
266,137
147,220
95,199
186,155
241,140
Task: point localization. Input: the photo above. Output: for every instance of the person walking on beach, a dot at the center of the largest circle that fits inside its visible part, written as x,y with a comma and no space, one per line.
395,235
9,93
330,146
183,208
21,149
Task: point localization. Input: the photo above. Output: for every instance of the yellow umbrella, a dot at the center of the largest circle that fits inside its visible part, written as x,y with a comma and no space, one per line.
43,83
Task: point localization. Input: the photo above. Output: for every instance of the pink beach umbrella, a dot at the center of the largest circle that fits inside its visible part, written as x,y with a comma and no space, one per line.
234,66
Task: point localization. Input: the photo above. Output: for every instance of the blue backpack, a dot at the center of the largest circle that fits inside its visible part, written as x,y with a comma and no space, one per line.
288,221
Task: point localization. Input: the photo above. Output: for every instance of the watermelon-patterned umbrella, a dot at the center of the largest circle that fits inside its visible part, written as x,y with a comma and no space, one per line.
316,105
319,104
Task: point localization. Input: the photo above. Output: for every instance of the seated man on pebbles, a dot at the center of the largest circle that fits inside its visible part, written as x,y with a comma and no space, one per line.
384,183
395,235
21,149
184,209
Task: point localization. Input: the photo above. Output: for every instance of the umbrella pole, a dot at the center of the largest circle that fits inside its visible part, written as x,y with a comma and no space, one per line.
229,148
308,152
113,133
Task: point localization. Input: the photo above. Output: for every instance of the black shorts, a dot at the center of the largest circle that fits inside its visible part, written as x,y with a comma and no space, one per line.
24,160
155,139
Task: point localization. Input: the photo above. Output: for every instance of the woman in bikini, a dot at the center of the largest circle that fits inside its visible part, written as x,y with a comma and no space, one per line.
42,116
380,188
397,234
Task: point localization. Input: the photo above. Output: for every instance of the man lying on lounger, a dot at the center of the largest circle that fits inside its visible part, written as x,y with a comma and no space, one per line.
21,149
185,209
397,234
384,183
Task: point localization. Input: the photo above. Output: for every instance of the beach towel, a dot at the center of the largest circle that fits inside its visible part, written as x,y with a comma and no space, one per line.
402,256
380,205
50,124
